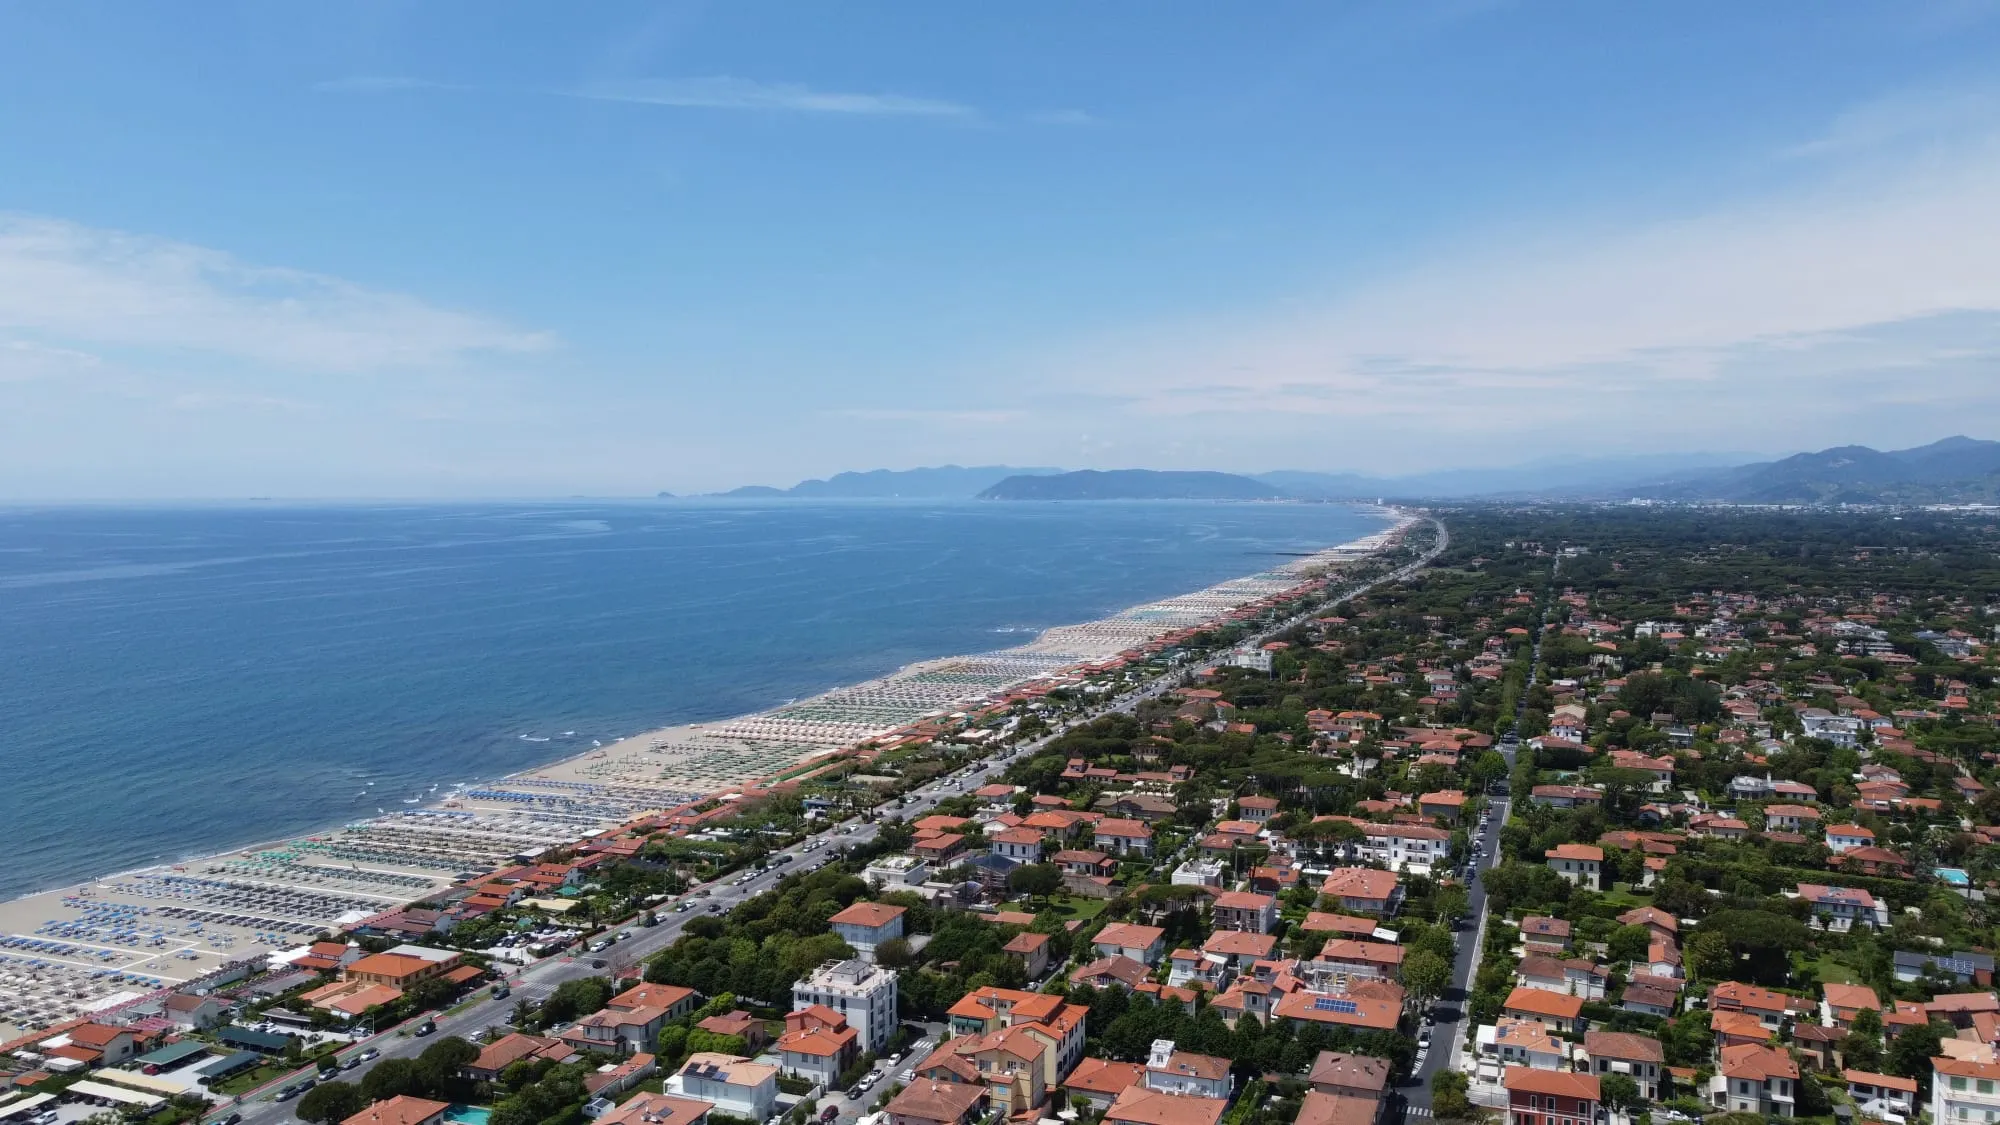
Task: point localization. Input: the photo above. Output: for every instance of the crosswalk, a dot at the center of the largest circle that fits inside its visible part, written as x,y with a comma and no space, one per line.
1417,1111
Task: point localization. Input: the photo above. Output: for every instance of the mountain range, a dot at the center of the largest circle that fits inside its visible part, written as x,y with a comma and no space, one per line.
1954,470
945,482
1132,484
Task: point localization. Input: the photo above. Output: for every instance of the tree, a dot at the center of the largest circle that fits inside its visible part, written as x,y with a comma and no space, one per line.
1618,1091
1708,956
330,1103
1426,974
671,1043
1911,1052
1036,880
390,1078
1448,1098
1630,943
895,954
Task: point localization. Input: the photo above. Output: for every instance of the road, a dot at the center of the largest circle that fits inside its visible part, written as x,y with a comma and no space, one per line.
1451,1029
535,982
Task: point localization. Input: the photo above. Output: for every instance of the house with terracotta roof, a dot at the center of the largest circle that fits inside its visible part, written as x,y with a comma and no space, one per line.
1257,810
1341,960
1319,1108
1350,1076
402,966
1550,1097
735,1086
1841,908
1139,1105
1238,949
672,999
1144,944
1537,930
1571,976
1171,1071
1018,1065
1842,837
1246,911
1579,864
1022,845
656,1109
990,1009
1791,818
1124,837
1096,1083
1559,1013
103,1044
400,1110
817,1045
1638,1057
1374,1006
1964,1090
1752,1078
1111,972
1445,804
1363,890
865,926
937,1103
738,1024
507,1050
1770,1008
1513,1042
1875,1094
1842,1002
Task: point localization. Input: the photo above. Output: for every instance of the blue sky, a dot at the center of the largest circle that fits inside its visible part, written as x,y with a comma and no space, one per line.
457,249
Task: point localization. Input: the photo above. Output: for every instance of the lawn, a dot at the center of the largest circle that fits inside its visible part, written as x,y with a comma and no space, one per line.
1836,972
1625,896
1076,909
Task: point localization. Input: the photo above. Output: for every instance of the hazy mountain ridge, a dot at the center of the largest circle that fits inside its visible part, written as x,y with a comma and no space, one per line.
944,482
1954,470
1132,484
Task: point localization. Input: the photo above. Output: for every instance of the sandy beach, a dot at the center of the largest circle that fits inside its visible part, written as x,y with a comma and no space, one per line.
114,941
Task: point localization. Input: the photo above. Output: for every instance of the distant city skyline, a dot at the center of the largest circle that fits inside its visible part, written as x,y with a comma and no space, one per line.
451,250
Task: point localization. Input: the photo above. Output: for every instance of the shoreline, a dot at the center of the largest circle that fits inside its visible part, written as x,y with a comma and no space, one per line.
170,922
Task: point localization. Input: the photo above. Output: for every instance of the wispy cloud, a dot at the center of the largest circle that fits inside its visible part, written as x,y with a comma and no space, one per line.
727,93
1879,268
68,286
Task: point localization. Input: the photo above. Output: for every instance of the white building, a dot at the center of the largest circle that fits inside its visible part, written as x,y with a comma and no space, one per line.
738,1087
1964,1093
1198,873
862,993
897,871
865,926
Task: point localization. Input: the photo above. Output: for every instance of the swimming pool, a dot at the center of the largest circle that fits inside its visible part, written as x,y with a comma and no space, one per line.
468,1115
1953,875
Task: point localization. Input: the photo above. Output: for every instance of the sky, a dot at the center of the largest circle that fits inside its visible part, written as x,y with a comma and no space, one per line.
462,249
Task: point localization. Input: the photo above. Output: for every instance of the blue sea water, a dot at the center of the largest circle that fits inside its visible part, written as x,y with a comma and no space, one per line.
182,681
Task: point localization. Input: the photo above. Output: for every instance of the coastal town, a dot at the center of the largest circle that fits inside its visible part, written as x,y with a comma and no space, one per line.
1551,816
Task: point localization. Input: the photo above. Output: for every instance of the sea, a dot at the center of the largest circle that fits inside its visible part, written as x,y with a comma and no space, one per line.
176,682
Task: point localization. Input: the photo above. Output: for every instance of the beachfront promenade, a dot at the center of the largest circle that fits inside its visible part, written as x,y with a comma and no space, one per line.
112,943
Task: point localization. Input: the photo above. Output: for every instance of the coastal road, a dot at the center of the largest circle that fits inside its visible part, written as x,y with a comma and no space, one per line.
535,982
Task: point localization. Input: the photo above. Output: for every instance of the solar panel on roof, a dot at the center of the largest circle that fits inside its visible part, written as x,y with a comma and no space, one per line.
1334,1004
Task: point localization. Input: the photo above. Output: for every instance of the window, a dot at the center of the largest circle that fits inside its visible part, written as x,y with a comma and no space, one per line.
1957,1083
1985,1085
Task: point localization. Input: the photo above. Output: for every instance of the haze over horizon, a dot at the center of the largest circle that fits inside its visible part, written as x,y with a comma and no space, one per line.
448,250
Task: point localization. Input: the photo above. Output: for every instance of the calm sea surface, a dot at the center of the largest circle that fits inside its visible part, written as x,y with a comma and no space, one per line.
180,681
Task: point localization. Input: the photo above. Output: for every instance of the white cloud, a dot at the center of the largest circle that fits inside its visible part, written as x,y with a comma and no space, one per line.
1858,268
68,286
722,92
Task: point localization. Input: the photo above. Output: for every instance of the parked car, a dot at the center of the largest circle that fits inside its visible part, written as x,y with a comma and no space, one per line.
368,1054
